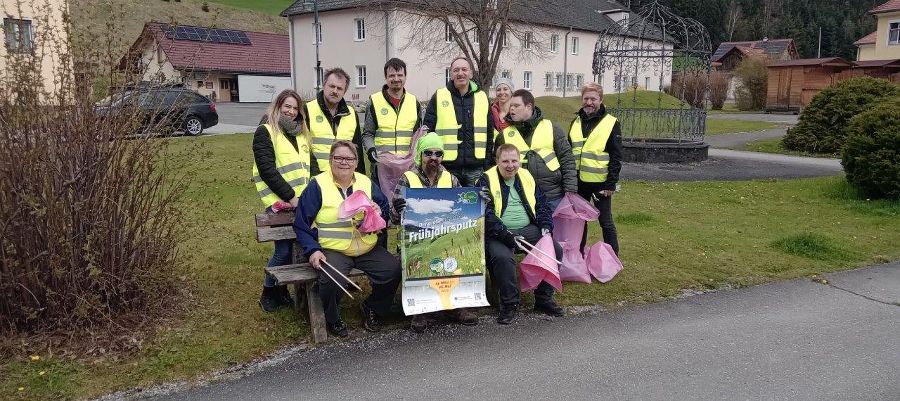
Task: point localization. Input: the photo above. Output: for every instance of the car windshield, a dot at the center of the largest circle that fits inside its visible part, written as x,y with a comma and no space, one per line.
115,99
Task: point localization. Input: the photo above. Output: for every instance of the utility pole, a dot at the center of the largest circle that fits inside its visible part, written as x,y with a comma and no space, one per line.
819,52
317,32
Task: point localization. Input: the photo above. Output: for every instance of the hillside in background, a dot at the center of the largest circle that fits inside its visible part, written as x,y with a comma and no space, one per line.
121,21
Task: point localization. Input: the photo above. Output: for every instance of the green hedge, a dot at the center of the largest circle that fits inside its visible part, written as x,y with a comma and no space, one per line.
824,124
871,155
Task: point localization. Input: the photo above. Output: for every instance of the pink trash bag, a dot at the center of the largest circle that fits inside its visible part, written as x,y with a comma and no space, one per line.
391,167
539,265
602,262
568,227
573,267
358,202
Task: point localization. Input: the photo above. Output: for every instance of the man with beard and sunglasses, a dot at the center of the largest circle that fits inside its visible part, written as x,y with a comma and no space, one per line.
428,173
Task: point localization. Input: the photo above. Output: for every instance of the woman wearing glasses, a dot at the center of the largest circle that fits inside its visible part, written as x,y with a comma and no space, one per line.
281,172
330,242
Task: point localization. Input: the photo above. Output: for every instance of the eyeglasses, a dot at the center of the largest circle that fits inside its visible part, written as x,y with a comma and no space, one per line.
435,153
343,160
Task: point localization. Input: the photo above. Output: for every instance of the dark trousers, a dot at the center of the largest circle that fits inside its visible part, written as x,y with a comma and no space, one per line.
382,268
467,176
502,267
604,205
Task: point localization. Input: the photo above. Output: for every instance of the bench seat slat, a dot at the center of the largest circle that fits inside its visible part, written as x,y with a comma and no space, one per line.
274,219
300,273
265,234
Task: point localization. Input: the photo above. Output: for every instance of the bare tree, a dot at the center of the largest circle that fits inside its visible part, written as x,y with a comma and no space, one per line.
478,29
731,18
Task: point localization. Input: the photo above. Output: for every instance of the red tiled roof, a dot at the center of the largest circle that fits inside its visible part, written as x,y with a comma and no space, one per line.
868,39
811,61
890,5
267,53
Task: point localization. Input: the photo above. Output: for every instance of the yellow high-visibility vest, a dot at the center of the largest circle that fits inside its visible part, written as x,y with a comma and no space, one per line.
337,234
444,180
528,185
448,128
395,130
292,164
591,158
541,143
323,136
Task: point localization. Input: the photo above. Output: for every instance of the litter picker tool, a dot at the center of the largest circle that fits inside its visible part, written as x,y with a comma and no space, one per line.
342,275
522,245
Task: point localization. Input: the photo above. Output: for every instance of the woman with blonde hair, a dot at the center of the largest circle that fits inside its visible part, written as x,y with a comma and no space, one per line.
280,173
503,90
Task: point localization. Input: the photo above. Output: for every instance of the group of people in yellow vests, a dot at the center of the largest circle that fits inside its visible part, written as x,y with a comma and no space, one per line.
308,154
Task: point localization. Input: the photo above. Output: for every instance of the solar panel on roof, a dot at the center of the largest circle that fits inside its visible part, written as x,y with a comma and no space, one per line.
201,34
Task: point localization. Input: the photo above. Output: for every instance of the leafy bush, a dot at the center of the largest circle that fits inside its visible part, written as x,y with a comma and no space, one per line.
718,89
871,154
823,125
89,220
752,84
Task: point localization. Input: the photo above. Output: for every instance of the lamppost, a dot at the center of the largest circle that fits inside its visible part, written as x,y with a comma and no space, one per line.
317,32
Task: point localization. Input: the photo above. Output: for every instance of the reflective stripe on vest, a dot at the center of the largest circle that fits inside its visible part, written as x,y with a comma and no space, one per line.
323,136
334,233
541,143
528,185
591,158
448,128
293,165
444,180
395,131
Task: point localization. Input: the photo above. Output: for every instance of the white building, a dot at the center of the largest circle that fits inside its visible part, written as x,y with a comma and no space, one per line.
555,60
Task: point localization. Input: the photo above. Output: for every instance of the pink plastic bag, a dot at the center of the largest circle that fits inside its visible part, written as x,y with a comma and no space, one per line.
537,266
391,167
568,227
358,202
573,267
602,262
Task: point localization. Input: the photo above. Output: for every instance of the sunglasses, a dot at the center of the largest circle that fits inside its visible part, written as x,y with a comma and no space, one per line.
435,153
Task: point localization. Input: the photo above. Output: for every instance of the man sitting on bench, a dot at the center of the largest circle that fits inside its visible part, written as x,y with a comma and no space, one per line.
339,243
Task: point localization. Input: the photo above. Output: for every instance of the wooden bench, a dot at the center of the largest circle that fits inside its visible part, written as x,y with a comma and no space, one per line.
300,274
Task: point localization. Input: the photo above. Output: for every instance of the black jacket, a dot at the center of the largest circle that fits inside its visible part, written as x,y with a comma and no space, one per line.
264,156
613,147
554,184
494,227
343,110
464,107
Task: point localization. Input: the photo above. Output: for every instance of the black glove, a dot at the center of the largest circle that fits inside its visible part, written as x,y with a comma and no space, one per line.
399,204
507,238
373,155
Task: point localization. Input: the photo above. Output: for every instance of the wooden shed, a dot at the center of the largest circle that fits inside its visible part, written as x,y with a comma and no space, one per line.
886,69
793,83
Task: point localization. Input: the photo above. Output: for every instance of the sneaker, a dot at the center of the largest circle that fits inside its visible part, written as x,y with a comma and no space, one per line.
284,296
465,316
508,314
549,308
370,319
419,323
269,301
337,328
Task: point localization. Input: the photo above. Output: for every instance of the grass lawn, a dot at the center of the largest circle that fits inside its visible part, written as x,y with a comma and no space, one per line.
562,111
674,236
272,7
774,145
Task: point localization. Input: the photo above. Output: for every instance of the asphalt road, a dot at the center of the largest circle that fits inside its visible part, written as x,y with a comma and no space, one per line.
797,340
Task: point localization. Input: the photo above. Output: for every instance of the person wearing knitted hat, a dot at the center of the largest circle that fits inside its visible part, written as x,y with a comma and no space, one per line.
503,89
428,173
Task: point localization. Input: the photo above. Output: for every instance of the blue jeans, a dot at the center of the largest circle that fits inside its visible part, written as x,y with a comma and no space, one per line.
553,204
284,248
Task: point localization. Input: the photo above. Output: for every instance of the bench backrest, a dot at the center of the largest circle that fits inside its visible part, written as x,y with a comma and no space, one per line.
274,226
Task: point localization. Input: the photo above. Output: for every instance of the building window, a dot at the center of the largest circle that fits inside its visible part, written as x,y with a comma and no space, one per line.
554,43
506,74
548,81
579,81
360,29
446,75
503,41
320,77
18,35
634,82
360,76
317,33
526,80
574,45
570,81
526,42
559,81
894,33
475,36
224,84
448,33
199,84
617,83
646,82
